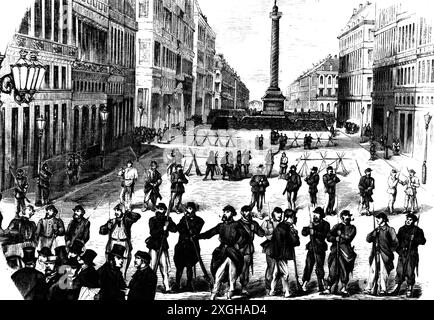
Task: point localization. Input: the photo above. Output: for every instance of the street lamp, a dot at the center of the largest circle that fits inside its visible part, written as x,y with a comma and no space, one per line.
141,110
40,125
427,118
25,78
104,116
169,108
361,128
388,112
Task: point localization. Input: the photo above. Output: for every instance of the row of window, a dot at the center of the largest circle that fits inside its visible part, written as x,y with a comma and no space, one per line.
401,100
332,81
55,77
354,60
406,37
165,57
355,85
351,39
385,44
122,47
91,41
425,71
405,75
88,86
383,79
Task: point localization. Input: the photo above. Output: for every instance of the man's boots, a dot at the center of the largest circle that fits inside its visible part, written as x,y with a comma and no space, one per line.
395,290
409,293
320,285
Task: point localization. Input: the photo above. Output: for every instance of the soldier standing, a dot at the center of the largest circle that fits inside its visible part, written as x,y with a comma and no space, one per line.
246,161
112,282
283,165
330,180
227,254
392,184
283,241
384,242
366,187
143,284
268,226
318,230
251,227
293,184
372,151
259,184
78,228
185,255
411,184
261,142
20,190
159,227
225,164
210,165
49,228
409,237
177,188
129,176
313,180
342,256
269,161
151,187
44,184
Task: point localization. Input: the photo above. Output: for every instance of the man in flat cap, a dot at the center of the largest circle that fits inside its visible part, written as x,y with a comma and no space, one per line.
177,188
410,237
259,183
293,184
78,228
330,181
49,228
152,187
111,280
392,186
312,181
411,184
143,284
366,187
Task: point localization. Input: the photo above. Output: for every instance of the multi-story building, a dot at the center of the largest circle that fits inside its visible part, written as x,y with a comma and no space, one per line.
356,46
403,76
203,66
164,68
230,91
316,89
88,50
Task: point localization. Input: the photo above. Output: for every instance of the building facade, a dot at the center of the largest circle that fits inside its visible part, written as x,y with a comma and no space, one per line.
88,50
356,46
164,68
403,76
316,89
230,91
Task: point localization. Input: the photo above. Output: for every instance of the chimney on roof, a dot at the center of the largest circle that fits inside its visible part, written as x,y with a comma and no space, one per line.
354,11
360,6
336,56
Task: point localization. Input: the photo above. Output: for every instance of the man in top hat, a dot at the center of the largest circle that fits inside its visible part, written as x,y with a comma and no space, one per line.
392,186
87,278
318,230
293,184
112,282
259,184
384,243
366,187
410,237
52,277
49,228
177,189
342,256
129,177
43,183
185,255
79,227
268,226
20,190
43,255
75,250
284,240
251,228
151,187
312,181
411,184
144,281
227,254
159,227
330,181
118,230
29,281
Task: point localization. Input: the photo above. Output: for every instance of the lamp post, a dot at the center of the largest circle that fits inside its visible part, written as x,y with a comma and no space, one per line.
40,124
141,110
427,118
361,127
169,108
104,116
387,135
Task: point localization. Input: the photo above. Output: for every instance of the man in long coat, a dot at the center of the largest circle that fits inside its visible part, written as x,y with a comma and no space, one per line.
185,253
366,187
342,256
293,184
177,189
87,278
330,180
151,187
49,228
259,184
144,281
384,243
410,237
312,181
112,282
20,190
78,228
44,184
227,255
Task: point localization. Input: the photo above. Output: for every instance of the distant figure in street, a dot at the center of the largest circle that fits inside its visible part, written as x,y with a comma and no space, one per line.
305,141
283,165
112,282
261,142
373,151
49,228
330,180
411,184
43,183
366,187
392,186
129,176
144,281
293,184
177,189
78,228
309,141
342,256
259,184
269,161
225,163
210,165
384,243
20,191
246,157
151,187
312,181
410,237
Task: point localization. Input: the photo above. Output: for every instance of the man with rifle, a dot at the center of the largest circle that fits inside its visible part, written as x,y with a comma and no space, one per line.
366,187
78,228
342,256
20,190
187,250
330,181
177,189
152,187
159,227
410,236
251,227
49,228
318,230
313,180
384,243
292,186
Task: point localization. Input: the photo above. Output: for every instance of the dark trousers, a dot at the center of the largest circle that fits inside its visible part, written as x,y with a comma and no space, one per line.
179,272
175,197
245,274
258,199
210,169
405,270
313,198
45,194
331,203
20,205
310,262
